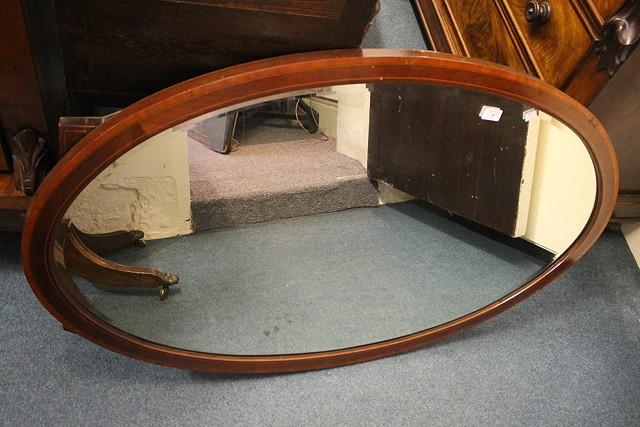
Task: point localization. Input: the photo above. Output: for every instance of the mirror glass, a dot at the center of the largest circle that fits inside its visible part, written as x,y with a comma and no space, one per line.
326,219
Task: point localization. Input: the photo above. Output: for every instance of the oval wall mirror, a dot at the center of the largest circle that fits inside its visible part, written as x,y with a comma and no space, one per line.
317,210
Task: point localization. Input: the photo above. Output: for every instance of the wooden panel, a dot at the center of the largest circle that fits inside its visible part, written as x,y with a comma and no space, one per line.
10,197
476,29
20,106
557,47
4,156
331,9
587,82
618,108
117,51
429,141
73,129
47,58
20,103
602,10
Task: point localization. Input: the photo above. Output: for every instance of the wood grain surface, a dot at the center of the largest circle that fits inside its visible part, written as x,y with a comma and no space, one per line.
117,51
560,51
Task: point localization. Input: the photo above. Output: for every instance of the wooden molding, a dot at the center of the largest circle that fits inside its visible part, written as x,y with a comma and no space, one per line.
73,129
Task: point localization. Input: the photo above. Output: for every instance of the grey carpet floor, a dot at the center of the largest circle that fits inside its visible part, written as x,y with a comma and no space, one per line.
314,283
271,180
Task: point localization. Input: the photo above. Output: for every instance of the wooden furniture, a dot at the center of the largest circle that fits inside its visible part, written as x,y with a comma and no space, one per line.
617,107
226,89
20,108
116,52
81,255
87,58
73,129
573,45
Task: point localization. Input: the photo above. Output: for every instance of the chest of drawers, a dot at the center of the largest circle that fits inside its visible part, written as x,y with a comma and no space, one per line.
561,42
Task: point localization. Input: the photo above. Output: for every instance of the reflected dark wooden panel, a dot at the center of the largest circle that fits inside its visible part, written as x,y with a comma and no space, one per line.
429,141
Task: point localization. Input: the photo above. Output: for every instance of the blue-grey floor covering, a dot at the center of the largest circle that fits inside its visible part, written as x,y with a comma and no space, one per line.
569,355
314,283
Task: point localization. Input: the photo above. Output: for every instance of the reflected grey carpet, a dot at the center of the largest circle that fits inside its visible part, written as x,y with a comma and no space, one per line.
314,283
272,180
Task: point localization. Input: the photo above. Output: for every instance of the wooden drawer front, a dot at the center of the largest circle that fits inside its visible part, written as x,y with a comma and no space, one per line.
602,10
556,47
479,30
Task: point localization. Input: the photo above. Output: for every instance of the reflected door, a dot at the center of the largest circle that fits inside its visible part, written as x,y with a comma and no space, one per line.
460,150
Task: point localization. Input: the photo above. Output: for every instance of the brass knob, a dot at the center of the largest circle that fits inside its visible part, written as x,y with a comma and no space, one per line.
537,13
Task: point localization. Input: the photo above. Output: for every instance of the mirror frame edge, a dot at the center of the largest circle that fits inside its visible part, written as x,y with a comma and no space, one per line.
230,86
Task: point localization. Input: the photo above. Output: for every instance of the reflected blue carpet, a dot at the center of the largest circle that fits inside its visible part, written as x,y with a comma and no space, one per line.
315,283
566,356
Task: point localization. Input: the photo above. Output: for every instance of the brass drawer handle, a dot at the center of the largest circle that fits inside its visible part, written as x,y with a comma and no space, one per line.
537,13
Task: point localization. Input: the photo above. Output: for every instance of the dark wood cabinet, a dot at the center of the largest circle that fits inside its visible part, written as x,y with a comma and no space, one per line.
563,51
118,51
20,107
20,99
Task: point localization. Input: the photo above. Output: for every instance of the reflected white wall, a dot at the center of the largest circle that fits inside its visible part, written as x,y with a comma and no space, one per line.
346,120
564,187
146,189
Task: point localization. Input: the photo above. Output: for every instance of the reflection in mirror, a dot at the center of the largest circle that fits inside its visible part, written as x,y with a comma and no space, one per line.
326,219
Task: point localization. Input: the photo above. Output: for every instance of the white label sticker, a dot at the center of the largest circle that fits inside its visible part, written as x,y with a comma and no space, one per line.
529,114
490,113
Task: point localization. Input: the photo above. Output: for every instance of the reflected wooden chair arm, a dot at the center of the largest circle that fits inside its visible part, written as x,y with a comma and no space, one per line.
106,242
80,251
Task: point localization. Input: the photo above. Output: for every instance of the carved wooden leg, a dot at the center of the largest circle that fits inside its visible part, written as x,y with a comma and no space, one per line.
83,262
28,152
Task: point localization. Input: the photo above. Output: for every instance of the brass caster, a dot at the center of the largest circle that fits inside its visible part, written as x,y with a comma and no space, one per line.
170,279
164,293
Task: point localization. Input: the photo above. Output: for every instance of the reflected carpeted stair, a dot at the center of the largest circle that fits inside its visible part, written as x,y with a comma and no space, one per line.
266,181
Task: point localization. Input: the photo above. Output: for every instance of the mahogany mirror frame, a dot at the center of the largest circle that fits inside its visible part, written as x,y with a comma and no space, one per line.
240,84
